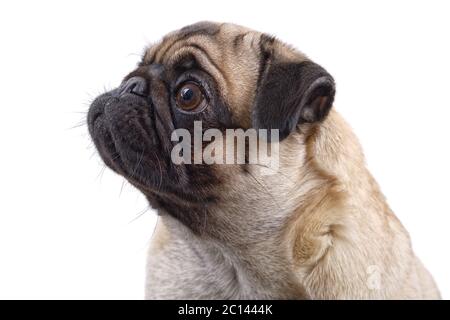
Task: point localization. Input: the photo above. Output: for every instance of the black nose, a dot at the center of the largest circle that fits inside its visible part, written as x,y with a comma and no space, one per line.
135,85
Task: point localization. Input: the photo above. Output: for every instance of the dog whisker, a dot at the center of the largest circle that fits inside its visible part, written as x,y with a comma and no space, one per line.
82,124
121,187
138,163
93,153
160,172
140,214
102,170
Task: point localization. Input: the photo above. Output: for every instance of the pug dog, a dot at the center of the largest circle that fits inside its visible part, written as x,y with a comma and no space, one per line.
316,227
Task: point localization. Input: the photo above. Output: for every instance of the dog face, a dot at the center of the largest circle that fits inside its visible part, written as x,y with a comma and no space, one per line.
223,75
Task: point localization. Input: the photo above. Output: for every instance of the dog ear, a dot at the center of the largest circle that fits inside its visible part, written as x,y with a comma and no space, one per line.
291,93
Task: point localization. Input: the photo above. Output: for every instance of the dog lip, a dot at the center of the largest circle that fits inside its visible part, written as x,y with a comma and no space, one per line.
97,108
126,125
95,117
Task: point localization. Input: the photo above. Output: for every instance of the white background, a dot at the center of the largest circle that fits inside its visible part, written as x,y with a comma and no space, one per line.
67,229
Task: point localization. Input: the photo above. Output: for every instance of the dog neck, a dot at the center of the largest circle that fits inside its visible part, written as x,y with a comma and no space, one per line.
249,234
254,233
257,268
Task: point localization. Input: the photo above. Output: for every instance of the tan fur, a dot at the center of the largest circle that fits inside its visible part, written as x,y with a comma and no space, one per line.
347,230
319,228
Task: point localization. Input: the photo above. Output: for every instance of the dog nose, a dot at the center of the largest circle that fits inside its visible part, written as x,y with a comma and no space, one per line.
135,85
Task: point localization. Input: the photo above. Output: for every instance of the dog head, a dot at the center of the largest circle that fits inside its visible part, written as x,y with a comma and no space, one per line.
224,76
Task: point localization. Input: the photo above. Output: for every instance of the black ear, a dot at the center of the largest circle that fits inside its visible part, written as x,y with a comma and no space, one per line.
292,93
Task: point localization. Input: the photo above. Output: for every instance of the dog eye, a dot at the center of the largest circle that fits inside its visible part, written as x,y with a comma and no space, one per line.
189,96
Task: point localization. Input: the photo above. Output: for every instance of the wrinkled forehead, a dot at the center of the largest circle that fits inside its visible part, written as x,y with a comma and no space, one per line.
210,37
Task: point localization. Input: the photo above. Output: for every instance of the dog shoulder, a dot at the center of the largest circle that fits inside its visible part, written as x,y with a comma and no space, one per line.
346,242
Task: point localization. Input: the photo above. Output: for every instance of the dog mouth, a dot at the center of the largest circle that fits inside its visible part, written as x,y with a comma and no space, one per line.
123,129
